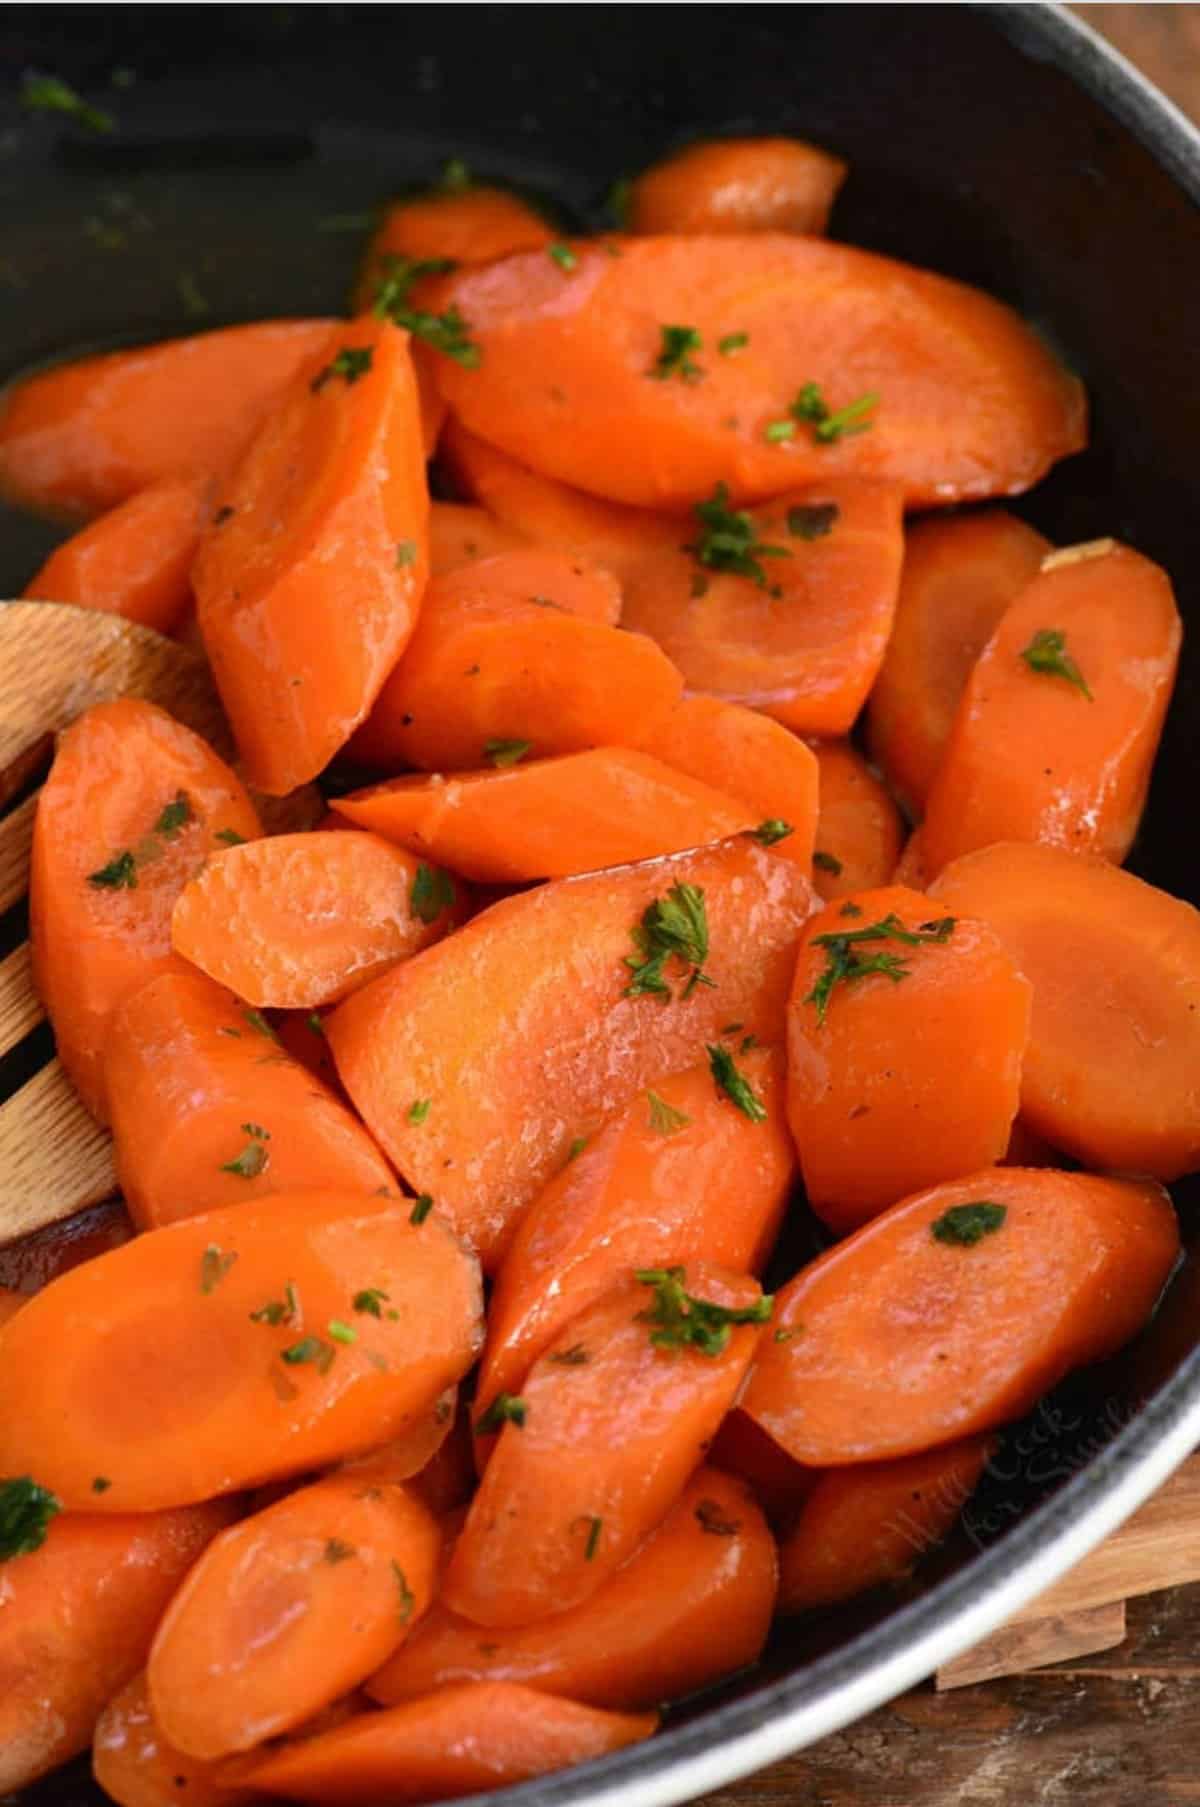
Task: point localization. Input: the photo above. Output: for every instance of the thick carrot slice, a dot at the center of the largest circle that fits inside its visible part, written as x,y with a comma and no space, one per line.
959,576
692,1605
551,1038
462,532
309,578
805,643
750,757
743,1448
1111,1071
970,402
902,1074
911,868
678,1174
34,1260
601,1447
85,436
461,226
1059,723
859,828
414,1449
136,560
133,806
289,1610
301,920
136,1766
737,185
549,818
490,661
208,1110
868,1525
461,1740
200,1357
909,1335
79,1615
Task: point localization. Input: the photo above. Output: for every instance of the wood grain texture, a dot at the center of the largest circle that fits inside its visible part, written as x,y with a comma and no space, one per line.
54,1158
1032,1643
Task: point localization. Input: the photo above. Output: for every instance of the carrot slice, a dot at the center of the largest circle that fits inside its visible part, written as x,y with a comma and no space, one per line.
548,818
869,1525
208,1110
200,1357
906,1335
743,1448
461,226
134,804
461,532
566,379
308,579
408,1455
289,1610
552,1038
859,828
79,1615
301,920
85,436
737,185
677,1174
1110,1073
804,640
692,1605
1061,716
556,1515
136,1767
447,1480
136,560
460,1740
959,576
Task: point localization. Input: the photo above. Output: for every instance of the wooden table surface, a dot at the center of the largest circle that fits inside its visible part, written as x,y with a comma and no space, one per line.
1121,1729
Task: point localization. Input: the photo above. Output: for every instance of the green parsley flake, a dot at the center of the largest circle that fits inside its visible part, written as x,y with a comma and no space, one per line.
665,1120
574,1357
448,332
337,1551
422,1206
341,1332
175,815
673,358
230,837
369,1303
119,875
310,1349
432,891
845,965
672,926
563,256
101,1484
406,554
810,406
812,520
408,1600
969,1224
215,1263
505,752
776,431
506,1408
418,1110
593,1538
259,1024
50,94
1047,654
772,830
734,1084
25,1514
681,1320
827,862
577,1147
253,1160
730,539
350,363
732,342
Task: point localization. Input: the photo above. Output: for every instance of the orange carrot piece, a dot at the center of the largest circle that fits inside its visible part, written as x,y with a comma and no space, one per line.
959,576
207,1109
134,804
464,226
79,1615
551,1037
859,828
866,1526
903,1337
408,1455
462,532
600,1449
32,1261
692,1605
301,1033
677,1174
737,185
1060,719
461,1740
169,1383
308,579
750,757
742,1448
87,435
805,644
1110,1073
447,1480
911,869
300,920
970,402
136,560
136,1766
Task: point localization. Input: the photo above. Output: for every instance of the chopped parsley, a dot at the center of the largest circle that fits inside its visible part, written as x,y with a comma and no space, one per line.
25,1514
672,926
772,830
506,1408
712,1518
577,1147
337,1551
665,1120
431,892
595,1526
730,539
398,276
844,964
674,357
215,1263
827,862
255,1158
811,406
230,837
1047,654
969,1224
811,520
406,554
777,431
563,256
175,815
351,362
369,1303
279,1311
506,752
101,1484
313,1022
418,1110
732,342
422,1206
310,1349
448,332
259,1024
574,1357
456,177
683,1321
341,1332
734,1084
120,874
408,1599
50,94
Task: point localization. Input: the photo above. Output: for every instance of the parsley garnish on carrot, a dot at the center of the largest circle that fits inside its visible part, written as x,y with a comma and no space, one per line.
730,539
774,829
279,1311
595,1526
506,1408
418,1110
431,892
120,874
811,520
351,362
215,1263
732,342
828,426
338,1551
408,1599
674,357
422,1206
683,1321
310,1349
969,1224
665,1120
175,815
371,1301
845,964
230,837
254,1158
672,926
448,332
26,1510
501,753
828,862
563,256
1047,654
733,1082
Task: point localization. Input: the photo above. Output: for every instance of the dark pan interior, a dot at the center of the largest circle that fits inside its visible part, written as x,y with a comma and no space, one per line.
253,142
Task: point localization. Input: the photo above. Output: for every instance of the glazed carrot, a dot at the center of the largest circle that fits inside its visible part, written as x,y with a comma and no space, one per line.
34,1260
289,1610
799,637
859,828
1060,719
462,226
134,804
737,185
136,1766
207,1109
308,579
491,662
84,436
868,1525
201,1357
1111,1071
79,1615
460,1740
692,1605
409,1454
959,576
750,757
597,1450
461,532
906,1031
957,1309
969,401
552,1037
300,920
135,560
677,1174
548,818
743,1448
